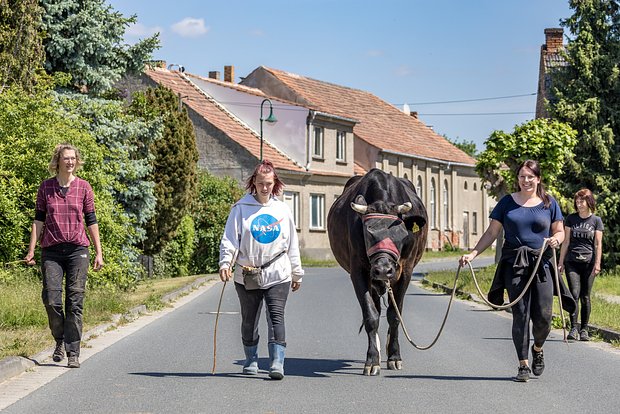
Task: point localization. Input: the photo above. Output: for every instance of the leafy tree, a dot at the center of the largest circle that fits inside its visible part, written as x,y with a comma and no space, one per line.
21,45
548,142
174,164
84,39
214,200
468,147
586,94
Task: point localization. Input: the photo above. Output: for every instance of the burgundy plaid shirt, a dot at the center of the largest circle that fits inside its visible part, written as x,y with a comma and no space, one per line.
64,214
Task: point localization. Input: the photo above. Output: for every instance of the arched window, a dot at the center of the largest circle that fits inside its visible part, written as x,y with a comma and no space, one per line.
475,187
433,206
405,176
446,206
465,186
418,187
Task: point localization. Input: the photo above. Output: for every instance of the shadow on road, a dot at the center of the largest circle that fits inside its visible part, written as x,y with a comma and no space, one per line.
299,367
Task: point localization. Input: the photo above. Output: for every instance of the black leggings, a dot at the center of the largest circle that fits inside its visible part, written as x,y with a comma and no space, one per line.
251,303
580,280
536,305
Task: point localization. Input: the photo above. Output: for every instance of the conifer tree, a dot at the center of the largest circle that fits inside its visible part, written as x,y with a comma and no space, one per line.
84,38
174,164
586,94
21,45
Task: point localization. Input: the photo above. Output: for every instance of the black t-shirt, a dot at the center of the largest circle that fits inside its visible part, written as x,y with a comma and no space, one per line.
582,231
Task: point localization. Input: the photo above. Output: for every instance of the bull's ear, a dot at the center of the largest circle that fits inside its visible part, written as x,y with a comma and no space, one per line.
414,223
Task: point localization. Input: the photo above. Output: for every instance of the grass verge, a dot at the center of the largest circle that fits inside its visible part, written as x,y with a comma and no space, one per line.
604,313
23,321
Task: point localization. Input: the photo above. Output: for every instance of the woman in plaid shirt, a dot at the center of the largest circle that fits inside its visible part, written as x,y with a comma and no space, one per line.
64,204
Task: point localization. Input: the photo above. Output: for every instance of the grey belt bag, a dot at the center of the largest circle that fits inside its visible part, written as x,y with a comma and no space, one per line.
253,276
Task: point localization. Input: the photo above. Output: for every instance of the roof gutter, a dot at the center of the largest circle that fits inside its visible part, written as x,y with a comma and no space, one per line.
438,161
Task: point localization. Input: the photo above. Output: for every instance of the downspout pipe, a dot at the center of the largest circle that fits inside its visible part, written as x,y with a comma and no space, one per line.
310,122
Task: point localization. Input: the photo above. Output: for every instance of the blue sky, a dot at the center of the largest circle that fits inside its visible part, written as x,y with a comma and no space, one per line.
418,52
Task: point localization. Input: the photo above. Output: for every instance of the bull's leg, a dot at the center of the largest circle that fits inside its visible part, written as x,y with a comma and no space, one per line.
371,324
393,346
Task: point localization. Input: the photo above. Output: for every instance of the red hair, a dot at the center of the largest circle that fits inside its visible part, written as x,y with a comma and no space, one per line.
265,167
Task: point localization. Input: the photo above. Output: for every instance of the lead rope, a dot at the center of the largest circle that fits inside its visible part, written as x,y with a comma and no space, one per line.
498,307
217,317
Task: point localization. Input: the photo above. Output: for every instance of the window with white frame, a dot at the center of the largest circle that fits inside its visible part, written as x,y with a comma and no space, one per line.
317,142
291,198
446,207
418,188
341,146
317,211
433,206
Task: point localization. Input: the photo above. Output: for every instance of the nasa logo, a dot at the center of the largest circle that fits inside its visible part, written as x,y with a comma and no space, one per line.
265,228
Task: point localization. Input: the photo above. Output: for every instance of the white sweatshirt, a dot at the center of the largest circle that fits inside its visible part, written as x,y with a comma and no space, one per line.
259,232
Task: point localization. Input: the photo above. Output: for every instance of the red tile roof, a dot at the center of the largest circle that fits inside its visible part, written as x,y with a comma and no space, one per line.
220,118
380,124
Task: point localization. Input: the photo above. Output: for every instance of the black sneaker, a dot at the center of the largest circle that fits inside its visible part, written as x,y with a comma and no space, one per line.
524,374
74,362
573,335
584,335
538,362
59,352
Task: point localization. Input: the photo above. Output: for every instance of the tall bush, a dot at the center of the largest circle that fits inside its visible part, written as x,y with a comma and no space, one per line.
214,199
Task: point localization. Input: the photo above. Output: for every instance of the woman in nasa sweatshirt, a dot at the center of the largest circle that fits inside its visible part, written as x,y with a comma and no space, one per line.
260,238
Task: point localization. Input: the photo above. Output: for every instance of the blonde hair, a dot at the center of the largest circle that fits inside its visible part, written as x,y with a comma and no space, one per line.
53,165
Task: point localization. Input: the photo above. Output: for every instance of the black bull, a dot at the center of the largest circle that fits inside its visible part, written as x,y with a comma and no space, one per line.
377,232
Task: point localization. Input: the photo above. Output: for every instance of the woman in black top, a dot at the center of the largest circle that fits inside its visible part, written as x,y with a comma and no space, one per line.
581,257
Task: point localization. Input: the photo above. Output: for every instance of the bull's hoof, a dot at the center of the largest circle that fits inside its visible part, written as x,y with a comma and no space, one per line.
372,370
398,365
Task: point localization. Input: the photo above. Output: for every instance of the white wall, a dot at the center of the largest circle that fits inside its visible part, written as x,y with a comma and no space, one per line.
288,134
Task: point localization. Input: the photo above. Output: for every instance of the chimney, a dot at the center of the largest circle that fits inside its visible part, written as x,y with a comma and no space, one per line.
214,74
554,40
229,74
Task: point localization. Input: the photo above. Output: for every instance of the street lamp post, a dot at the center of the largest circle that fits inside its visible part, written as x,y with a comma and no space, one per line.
271,119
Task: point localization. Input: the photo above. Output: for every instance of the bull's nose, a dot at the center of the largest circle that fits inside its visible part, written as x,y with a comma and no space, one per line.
383,269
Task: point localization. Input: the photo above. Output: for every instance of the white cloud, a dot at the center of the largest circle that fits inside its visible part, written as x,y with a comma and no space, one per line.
403,70
257,33
190,27
374,53
140,30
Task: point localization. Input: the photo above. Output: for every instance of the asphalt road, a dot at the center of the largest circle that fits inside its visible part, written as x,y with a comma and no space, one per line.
165,367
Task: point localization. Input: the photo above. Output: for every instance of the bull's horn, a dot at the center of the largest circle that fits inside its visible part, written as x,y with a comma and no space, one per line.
360,208
403,208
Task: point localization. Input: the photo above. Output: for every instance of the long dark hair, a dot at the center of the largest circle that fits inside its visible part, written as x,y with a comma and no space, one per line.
540,189
265,167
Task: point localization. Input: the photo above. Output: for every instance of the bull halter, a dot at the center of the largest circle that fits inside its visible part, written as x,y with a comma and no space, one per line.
386,244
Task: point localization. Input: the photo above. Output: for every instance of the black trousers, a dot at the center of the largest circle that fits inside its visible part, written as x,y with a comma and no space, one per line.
536,305
71,262
580,280
251,302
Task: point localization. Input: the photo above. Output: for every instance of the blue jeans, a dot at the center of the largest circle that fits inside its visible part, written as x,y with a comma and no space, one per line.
71,261
251,302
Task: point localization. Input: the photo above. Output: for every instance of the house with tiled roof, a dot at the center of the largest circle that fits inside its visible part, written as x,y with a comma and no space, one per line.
551,58
324,135
396,142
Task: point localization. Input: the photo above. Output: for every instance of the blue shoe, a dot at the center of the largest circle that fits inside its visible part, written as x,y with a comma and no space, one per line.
276,361
250,366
